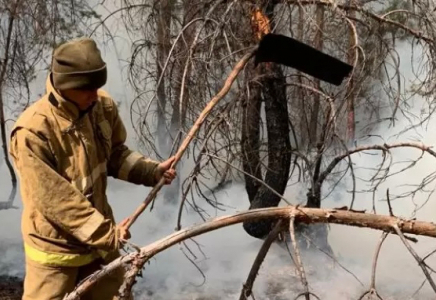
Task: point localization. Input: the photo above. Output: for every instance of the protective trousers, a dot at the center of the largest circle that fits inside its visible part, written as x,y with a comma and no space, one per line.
52,283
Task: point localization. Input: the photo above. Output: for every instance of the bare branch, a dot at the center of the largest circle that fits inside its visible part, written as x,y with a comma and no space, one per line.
304,215
383,148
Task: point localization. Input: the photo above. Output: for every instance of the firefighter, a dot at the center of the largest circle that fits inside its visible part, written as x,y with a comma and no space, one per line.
64,146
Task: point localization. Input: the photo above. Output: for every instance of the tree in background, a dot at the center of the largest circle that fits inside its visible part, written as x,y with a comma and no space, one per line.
28,30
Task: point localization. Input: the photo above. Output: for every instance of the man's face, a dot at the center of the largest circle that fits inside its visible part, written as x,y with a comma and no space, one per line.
82,98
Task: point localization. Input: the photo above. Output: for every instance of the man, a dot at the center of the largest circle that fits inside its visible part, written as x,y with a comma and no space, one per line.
63,147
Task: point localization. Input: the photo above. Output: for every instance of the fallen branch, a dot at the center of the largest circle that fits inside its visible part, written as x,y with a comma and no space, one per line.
125,292
191,134
301,214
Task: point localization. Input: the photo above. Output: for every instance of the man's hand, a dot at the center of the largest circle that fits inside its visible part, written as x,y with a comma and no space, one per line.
123,232
164,169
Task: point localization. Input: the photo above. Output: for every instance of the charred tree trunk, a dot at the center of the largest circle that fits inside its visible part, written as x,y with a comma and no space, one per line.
183,46
314,195
279,154
312,237
250,139
272,90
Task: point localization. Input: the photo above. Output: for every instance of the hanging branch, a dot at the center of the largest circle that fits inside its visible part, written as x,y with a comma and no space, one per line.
384,148
261,182
195,128
196,170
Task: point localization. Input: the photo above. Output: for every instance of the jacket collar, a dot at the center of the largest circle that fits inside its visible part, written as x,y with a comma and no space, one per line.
66,109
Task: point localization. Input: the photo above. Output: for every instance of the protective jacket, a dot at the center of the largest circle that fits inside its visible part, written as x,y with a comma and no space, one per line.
63,156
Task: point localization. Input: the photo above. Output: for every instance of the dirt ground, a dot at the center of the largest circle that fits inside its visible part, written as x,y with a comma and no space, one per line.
11,288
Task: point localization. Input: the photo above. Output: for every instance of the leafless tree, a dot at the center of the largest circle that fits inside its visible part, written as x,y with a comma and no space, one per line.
28,30
278,124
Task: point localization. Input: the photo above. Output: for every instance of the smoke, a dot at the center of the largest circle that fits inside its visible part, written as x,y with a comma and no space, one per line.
230,252
225,256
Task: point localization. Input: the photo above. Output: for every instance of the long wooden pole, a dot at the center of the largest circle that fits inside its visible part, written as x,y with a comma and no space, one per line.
194,130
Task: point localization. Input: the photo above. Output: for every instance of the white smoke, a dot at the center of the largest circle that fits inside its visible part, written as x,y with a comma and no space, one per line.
230,252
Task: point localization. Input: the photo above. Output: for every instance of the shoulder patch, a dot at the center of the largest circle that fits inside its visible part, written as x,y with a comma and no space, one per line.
34,120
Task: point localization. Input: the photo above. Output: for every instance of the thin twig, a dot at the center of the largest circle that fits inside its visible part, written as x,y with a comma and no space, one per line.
389,203
4,64
332,257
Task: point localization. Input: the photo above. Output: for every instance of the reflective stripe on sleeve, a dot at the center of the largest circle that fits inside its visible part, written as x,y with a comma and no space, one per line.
128,164
82,184
58,259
